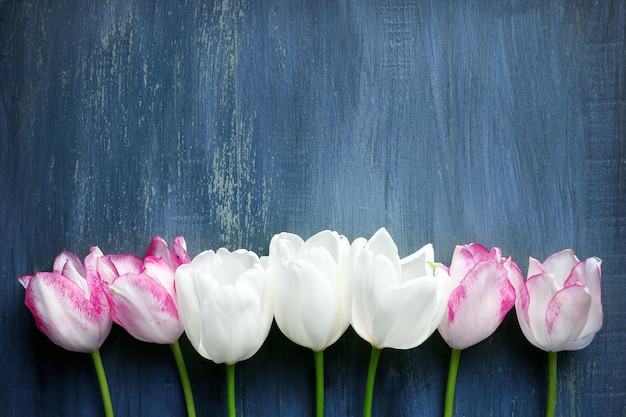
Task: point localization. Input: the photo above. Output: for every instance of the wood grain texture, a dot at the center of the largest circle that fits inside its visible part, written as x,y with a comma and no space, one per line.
447,122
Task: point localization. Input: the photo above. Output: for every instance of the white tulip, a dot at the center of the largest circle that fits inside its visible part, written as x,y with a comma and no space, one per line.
225,304
310,303
396,303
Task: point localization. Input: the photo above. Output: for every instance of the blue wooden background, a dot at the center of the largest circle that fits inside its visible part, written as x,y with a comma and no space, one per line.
229,121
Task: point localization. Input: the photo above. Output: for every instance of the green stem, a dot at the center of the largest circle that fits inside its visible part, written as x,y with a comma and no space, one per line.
102,380
230,389
551,384
184,378
319,383
451,386
369,386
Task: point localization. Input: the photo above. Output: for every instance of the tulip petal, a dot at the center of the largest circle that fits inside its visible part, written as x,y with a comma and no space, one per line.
325,239
144,308
206,260
158,249
462,261
62,312
162,273
91,265
478,305
64,258
541,289
329,240
106,270
513,273
560,265
522,301
405,318
69,265
581,342
189,306
322,259
383,245
481,253
25,280
418,264
464,258
126,263
233,265
495,253
219,315
374,276
535,267
180,249
284,246
566,316
285,250
236,322
588,273
348,265
305,307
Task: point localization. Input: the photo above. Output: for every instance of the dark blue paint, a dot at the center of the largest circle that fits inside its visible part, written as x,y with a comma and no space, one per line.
229,122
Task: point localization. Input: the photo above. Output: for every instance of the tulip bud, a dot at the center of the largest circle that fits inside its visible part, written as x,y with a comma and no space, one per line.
309,291
559,306
395,303
68,304
481,294
225,304
141,291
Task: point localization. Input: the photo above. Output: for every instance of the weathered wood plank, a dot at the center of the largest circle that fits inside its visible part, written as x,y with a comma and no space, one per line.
231,121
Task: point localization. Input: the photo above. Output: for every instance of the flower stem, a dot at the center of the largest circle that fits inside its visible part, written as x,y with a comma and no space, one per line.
369,386
102,380
230,389
319,383
451,386
551,384
184,378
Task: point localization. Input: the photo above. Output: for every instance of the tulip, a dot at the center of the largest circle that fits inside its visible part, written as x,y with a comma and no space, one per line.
68,304
141,291
559,307
143,298
70,307
310,305
480,299
395,303
225,306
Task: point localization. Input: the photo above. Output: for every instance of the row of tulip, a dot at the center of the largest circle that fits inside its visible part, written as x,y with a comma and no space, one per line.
225,301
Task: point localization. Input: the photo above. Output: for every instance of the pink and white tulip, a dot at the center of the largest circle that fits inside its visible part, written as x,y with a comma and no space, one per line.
559,306
141,292
69,304
481,294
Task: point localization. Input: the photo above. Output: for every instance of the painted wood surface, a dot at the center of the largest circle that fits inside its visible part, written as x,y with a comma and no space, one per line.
447,122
